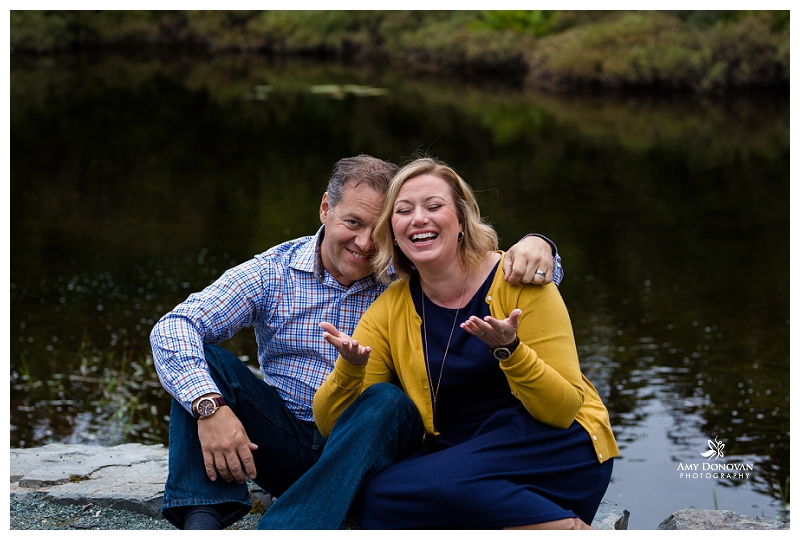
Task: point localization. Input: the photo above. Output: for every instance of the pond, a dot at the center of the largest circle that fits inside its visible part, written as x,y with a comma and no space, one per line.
136,181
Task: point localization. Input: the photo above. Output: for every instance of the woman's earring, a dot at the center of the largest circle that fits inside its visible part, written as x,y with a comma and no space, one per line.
395,241
460,235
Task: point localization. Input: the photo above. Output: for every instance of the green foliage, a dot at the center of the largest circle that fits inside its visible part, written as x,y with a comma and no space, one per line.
57,30
219,30
702,50
119,392
258,507
38,30
315,30
657,48
454,41
783,494
780,20
704,19
537,22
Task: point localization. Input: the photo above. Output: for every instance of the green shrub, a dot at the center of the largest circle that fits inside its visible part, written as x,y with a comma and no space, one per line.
451,40
537,23
753,53
661,49
43,31
38,30
221,30
301,31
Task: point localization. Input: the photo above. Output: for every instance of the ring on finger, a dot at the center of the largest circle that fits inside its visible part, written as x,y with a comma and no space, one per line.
541,273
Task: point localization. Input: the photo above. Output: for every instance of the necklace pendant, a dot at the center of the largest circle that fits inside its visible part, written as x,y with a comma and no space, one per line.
435,392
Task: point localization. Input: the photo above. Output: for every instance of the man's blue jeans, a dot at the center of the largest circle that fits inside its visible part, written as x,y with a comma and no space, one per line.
287,447
378,429
383,426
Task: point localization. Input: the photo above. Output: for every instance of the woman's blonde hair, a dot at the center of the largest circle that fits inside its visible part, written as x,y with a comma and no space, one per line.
479,236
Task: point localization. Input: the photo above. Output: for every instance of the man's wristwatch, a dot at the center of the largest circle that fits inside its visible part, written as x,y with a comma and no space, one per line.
505,351
207,406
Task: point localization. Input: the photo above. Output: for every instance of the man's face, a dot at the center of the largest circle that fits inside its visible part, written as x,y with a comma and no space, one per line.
347,248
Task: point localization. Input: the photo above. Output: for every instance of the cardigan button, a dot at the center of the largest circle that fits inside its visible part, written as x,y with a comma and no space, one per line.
488,298
595,437
601,456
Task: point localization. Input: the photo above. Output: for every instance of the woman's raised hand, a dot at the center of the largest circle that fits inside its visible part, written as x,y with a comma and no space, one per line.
347,347
494,332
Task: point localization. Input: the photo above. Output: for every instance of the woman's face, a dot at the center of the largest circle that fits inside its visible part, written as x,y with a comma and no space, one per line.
425,222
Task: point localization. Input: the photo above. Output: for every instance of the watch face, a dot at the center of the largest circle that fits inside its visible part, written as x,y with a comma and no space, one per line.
206,407
502,353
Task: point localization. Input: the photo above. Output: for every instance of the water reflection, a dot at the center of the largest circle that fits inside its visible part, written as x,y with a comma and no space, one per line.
137,181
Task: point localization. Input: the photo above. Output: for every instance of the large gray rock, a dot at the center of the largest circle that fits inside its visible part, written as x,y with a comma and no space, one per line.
125,477
692,519
56,463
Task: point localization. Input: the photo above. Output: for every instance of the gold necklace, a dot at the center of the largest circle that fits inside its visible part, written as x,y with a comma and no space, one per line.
435,393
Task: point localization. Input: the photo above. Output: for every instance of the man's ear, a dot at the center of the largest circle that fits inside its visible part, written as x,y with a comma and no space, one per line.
324,209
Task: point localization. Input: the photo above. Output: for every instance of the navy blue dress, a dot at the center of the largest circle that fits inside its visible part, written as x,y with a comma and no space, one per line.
493,465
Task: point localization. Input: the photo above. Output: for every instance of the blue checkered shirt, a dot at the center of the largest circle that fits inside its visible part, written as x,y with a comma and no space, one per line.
558,270
283,293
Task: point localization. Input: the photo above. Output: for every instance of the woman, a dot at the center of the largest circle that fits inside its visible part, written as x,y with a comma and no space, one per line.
457,337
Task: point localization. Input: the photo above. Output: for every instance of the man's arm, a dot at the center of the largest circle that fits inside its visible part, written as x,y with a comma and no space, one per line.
210,316
534,259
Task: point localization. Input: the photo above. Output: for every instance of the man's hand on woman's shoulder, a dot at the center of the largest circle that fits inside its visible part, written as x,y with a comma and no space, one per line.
529,261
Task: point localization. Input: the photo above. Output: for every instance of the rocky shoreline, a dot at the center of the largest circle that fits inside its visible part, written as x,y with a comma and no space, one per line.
64,486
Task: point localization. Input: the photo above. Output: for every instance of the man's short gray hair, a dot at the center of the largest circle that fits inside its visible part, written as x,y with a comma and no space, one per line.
357,170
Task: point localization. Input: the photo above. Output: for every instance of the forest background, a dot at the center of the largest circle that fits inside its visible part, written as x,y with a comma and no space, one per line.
701,51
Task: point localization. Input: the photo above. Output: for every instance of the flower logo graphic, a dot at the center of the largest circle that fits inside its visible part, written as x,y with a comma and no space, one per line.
715,451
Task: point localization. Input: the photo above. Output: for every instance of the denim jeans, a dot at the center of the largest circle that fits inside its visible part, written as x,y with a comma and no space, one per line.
378,429
315,487
287,447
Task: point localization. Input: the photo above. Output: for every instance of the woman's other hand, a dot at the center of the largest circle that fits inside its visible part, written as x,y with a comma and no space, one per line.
494,332
347,347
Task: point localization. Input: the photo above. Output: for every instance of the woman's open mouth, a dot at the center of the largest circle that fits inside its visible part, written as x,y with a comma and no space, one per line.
423,237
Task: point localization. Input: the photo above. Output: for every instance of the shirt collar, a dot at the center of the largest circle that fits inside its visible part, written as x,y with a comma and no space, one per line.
310,260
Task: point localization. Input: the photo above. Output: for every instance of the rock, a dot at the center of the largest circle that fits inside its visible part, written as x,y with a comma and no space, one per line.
692,519
258,494
56,464
125,477
131,477
137,488
610,517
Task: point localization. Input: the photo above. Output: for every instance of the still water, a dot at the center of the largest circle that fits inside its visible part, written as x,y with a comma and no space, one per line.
136,181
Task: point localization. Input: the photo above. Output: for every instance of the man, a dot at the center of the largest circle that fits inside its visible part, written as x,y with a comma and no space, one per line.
227,424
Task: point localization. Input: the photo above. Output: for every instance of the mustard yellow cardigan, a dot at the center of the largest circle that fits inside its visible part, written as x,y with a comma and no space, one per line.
543,372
